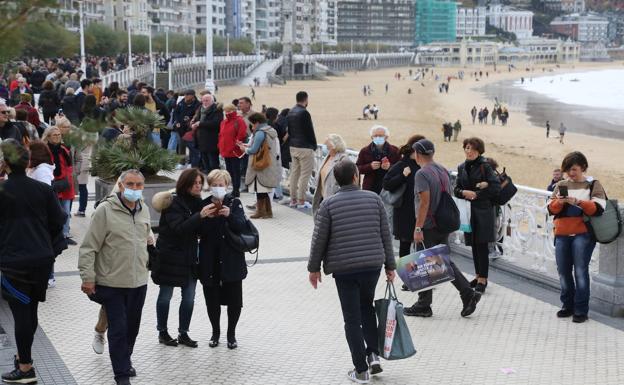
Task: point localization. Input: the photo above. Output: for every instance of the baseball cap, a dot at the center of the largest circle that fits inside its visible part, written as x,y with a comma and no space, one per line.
424,147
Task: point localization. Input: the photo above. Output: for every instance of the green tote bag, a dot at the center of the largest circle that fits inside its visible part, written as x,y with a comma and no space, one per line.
395,341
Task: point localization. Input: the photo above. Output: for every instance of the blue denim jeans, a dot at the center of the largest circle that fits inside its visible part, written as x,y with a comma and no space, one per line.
185,312
66,205
172,146
84,197
573,255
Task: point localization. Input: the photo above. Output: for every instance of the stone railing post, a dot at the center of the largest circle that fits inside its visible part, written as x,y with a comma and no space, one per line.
607,287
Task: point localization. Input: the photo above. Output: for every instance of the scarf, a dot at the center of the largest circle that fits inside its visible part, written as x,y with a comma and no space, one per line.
58,150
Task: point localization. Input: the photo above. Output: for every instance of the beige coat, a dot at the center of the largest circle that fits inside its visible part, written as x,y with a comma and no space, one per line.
114,250
327,187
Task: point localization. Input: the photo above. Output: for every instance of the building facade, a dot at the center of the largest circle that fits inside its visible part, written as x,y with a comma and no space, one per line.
471,22
68,16
583,28
435,21
218,17
387,22
479,54
519,22
268,25
573,6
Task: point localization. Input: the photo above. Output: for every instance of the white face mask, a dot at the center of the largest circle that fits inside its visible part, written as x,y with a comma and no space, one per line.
218,192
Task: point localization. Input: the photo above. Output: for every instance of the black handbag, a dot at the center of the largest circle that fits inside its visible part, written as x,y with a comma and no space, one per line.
245,241
60,185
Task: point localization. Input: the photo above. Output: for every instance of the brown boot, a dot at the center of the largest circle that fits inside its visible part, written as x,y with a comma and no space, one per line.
269,209
260,209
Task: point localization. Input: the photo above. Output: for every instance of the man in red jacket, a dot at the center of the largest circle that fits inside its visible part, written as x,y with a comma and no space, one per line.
375,160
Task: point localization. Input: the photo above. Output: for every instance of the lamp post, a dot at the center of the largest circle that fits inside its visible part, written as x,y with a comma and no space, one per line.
83,59
149,40
210,85
128,27
193,44
167,42
227,44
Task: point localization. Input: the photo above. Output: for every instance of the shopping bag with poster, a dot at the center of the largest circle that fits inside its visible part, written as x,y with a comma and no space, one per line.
426,268
395,341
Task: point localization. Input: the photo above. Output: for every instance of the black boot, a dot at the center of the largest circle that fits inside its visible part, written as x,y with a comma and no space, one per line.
184,339
166,339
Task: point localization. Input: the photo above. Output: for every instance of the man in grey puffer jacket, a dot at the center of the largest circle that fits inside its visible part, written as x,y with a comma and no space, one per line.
352,239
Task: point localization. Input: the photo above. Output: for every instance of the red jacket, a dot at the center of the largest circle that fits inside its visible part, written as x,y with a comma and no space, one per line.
33,114
66,172
233,128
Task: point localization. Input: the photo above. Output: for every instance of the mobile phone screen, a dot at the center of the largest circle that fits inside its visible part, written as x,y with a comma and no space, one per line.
563,191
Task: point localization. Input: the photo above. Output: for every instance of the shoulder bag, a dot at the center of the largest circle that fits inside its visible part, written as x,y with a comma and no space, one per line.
393,198
262,159
604,228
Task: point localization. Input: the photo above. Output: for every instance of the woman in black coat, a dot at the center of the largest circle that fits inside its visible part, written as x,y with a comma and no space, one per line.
478,183
49,101
222,268
404,218
177,246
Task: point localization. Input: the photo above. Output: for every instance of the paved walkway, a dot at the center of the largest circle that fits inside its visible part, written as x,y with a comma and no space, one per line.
260,72
292,334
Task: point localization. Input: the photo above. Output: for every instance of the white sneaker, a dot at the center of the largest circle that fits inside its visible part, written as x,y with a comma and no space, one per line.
305,205
51,283
99,340
360,378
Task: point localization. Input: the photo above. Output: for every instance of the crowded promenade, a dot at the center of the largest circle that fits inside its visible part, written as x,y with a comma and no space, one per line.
113,287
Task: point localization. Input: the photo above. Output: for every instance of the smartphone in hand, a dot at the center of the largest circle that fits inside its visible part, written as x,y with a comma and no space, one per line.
563,191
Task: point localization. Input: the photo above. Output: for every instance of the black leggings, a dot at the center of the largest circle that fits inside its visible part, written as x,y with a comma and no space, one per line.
481,258
25,317
213,304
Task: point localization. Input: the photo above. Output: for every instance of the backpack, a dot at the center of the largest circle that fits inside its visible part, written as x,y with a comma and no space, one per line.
607,227
508,189
446,215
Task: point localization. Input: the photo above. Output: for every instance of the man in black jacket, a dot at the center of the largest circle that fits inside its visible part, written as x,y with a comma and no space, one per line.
206,126
182,116
302,148
31,228
352,240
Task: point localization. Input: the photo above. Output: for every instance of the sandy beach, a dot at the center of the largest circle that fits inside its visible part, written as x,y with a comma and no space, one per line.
521,147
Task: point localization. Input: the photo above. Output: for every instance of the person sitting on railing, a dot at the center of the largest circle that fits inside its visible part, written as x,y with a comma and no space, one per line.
375,159
572,199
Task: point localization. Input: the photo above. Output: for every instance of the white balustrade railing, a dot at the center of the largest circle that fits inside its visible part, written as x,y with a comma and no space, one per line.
525,230
126,76
201,60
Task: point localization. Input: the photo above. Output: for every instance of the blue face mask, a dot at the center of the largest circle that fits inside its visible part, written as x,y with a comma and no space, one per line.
132,195
379,140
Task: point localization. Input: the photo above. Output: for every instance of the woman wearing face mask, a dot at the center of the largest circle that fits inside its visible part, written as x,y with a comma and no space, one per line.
180,221
221,268
326,185
477,182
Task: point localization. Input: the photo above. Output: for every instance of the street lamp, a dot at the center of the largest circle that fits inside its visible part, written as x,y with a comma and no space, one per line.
210,85
167,41
83,59
128,23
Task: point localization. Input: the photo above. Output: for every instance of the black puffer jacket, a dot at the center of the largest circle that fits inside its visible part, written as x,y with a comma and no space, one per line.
300,128
404,220
218,262
31,221
482,211
177,241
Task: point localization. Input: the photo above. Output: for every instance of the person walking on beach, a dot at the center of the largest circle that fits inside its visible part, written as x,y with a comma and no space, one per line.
352,240
494,113
456,128
429,183
547,129
562,131
473,113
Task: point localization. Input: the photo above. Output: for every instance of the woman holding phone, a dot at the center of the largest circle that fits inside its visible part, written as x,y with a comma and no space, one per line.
573,198
221,267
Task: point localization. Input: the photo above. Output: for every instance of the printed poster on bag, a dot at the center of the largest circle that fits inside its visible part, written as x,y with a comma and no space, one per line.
426,268
390,328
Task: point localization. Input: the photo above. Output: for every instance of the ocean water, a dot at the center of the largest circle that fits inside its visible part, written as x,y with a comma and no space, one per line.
602,89
590,103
